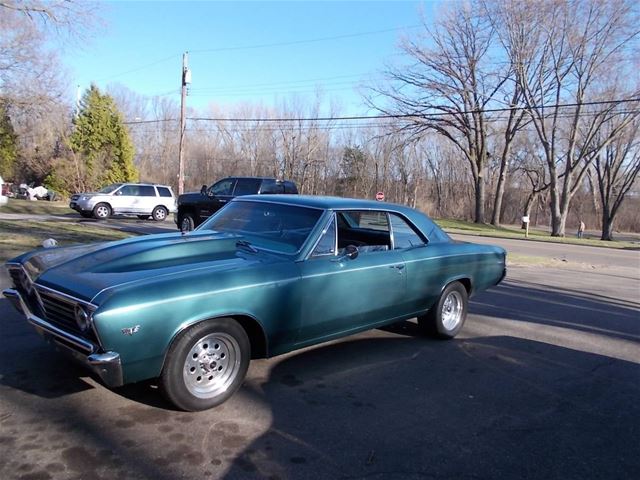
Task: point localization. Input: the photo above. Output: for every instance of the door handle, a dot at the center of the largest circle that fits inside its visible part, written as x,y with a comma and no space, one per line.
399,267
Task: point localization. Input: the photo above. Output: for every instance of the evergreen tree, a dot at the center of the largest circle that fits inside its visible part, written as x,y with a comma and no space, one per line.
102,140
8,144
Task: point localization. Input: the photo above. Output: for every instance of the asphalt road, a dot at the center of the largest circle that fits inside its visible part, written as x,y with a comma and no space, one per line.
543,382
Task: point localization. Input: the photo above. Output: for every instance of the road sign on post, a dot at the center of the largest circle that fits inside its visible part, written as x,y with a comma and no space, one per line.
380,196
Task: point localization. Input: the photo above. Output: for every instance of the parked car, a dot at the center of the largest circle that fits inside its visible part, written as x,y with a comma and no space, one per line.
142,199
195,207
265,275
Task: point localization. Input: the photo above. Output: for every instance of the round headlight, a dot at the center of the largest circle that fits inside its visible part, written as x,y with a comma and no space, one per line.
82,317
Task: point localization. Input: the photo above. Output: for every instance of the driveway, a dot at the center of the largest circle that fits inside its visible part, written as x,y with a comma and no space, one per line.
544,382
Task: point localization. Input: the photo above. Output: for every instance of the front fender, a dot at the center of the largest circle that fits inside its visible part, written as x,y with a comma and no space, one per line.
141,323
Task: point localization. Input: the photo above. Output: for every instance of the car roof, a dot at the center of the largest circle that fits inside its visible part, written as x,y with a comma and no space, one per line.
144,184
327,202
418,218
238,177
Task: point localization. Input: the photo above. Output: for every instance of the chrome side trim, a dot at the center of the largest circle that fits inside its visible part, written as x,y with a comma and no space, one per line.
61,334
66,297
331,220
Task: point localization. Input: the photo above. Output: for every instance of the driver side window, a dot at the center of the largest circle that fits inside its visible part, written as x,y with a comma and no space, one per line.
223,187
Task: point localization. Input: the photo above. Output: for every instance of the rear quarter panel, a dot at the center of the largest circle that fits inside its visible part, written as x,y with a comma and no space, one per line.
431,268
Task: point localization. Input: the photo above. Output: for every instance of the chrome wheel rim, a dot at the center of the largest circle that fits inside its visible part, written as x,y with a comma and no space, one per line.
160,214
212,365
452,310
102,211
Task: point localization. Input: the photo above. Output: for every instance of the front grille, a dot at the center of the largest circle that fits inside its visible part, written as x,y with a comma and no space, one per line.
59,311
56,308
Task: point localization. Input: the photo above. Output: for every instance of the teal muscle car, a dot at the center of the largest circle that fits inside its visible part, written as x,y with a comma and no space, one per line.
265,275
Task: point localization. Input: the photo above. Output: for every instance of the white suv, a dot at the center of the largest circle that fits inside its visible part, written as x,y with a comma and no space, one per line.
141,199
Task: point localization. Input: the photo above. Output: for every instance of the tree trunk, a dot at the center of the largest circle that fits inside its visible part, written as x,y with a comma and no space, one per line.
607,227
480,193
497,203
557,224
496,216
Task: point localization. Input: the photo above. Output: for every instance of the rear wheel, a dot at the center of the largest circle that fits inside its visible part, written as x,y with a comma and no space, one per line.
102,211
446,318
187,223
159,214
206,364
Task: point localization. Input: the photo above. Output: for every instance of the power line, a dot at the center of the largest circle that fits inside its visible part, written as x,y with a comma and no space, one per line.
329,127
137,69
302,42
416,115
256,93
279,84
401,116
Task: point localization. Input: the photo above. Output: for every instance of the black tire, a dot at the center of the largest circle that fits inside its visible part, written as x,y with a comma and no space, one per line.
143,217
102,211
159,213
190,383
187,222
446,317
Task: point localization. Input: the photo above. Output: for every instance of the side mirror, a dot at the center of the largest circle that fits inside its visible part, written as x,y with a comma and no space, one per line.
203,190
350,251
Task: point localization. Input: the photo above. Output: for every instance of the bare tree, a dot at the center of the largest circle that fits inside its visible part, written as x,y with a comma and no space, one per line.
449,87
561,52
617,167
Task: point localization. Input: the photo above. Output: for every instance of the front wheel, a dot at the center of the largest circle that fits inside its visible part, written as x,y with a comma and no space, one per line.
102,211
446,318
187,223
206,364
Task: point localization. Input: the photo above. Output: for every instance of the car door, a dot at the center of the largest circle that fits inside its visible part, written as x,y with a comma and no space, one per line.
427,266
343,295
218,195
123,199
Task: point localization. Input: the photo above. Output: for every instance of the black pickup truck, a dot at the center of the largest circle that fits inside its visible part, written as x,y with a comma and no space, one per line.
194,208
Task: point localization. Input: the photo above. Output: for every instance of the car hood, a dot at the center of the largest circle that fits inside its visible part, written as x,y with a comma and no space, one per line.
190,197
87,270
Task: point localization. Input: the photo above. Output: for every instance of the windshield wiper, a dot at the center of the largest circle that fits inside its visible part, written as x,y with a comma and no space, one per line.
247,245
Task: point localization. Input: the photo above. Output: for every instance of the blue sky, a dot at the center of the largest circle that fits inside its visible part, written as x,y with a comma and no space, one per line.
142,45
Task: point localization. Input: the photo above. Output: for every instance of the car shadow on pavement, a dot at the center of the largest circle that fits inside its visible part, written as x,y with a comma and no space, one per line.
561,307
405,407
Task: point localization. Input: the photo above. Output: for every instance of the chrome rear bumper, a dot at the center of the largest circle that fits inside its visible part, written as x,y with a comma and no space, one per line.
106,365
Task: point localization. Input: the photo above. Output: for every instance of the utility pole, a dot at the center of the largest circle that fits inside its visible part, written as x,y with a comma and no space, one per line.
186,80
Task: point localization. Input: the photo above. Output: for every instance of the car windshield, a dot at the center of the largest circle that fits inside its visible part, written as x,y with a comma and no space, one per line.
272,226
109,188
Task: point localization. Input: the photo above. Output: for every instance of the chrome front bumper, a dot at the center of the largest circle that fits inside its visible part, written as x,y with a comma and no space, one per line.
106,365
